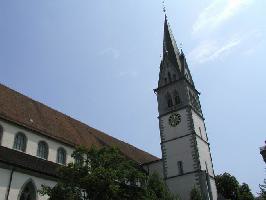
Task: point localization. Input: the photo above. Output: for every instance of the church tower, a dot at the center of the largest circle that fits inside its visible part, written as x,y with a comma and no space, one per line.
186,156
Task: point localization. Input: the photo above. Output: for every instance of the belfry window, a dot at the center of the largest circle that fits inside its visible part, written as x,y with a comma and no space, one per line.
42,151
20,142
174,77
1,134
177,98
61,156
169,100
169,77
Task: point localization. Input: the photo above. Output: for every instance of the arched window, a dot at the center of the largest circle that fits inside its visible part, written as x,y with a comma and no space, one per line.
174,77
169,100
42,151
61,156
20,142
28,191
169,77
1,134
177,98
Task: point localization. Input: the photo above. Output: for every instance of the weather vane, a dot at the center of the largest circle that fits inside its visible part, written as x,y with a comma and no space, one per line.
164,9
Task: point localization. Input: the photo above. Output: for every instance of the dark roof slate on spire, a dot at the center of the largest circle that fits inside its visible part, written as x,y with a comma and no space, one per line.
171,51
170,48
33,115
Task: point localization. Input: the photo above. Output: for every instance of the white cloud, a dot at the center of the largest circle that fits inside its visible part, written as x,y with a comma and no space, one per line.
111,51
212,49
217,13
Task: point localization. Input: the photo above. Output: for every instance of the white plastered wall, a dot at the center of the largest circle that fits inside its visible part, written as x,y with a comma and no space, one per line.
179,150
33,139
155,167
204,151
182,185
214,189
4,180
173,132
203,147
205,156
19,179
199,126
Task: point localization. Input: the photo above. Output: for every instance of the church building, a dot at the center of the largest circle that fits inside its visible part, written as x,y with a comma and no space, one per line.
36,139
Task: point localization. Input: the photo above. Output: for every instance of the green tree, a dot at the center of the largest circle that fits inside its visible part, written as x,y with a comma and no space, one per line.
105,174
262,194
227,186
195,194
245,192
157,190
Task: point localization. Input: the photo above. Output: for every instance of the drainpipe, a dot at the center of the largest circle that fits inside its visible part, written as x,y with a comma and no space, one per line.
9,184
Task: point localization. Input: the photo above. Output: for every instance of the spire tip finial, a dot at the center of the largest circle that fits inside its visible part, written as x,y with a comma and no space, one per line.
164,8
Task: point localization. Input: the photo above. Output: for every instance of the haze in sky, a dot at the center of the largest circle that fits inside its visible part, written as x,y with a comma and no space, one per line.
98,61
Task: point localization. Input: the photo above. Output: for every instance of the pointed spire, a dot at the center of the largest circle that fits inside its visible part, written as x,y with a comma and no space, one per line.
171,52
170,49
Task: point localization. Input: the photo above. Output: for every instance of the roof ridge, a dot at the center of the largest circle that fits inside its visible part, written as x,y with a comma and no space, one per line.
84,132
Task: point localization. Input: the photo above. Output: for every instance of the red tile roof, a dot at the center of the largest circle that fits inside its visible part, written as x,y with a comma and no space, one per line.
33,115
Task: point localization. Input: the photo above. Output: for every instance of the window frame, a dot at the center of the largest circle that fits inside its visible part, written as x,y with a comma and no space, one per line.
1,134
61,150
177,98
45,151
30,186
169,100
180,167
24,142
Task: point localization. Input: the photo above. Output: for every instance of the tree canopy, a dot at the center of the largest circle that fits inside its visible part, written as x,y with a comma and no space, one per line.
262,194
105,174
229,188
195,194
245,192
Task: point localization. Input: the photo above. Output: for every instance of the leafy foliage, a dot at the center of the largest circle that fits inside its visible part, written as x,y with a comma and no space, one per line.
262,194
195,194
227,186
245,192
105,174
157,190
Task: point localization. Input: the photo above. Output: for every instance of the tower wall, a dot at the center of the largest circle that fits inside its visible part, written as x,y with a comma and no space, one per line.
186,156
182,185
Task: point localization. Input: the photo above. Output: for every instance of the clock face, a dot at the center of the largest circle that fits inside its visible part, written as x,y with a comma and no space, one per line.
174,119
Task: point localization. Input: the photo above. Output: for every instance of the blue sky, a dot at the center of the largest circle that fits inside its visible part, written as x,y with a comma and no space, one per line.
98,61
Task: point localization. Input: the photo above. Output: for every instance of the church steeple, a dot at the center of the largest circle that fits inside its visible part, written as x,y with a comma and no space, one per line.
186,157
170,49
172,56
175,80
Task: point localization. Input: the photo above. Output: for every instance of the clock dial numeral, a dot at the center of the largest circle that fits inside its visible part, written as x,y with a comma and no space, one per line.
174,119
